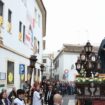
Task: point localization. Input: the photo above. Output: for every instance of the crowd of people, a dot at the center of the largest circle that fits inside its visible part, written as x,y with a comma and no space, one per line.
45,93
64,88
14,97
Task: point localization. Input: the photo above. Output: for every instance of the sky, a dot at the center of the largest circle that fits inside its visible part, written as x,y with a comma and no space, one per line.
74,22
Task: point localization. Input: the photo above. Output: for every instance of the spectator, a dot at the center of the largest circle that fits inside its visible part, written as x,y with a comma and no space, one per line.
20,97
57,99
49,96
4,90
26,86
3,98
12,95
36,96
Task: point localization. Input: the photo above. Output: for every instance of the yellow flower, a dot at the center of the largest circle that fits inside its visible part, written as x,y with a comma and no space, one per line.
1,20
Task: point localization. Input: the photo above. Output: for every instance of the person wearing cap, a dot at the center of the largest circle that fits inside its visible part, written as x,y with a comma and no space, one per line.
58,99
20,97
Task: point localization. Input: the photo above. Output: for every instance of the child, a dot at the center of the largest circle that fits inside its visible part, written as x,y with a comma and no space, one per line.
20,97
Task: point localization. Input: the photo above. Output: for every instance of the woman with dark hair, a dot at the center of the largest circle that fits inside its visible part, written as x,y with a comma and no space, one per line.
12,95
3,99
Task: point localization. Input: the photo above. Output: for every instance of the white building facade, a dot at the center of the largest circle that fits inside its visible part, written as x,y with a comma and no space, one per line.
64,63
48,64
22,26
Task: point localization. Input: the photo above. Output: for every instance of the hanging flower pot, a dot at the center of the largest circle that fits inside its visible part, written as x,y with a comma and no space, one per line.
1,20
9,27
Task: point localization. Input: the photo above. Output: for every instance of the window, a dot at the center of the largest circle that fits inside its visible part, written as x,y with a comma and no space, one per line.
9,16
20,32
38,46
35,13
10,72
44,60
38,20
9,21
1,8
57,64
24,2
20,26
24,33
44,44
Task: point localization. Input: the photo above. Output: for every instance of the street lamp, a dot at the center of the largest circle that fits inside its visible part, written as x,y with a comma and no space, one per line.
78,65
88,48
98,64
33,60
88,64
93,57
42,69
83,56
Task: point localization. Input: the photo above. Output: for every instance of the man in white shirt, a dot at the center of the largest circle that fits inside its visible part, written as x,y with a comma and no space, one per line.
20,97
36,96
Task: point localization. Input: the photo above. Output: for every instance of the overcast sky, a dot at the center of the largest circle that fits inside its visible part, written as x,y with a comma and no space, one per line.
74,22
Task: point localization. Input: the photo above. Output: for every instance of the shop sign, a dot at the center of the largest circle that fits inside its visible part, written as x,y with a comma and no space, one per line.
21,69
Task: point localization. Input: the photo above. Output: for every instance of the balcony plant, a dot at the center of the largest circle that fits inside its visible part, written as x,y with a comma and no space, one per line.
9,27
1,20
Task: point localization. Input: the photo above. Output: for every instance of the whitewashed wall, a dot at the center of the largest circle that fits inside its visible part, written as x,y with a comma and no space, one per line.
11,40
47,65
4,57
19,13
59,69
69,60
66,60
